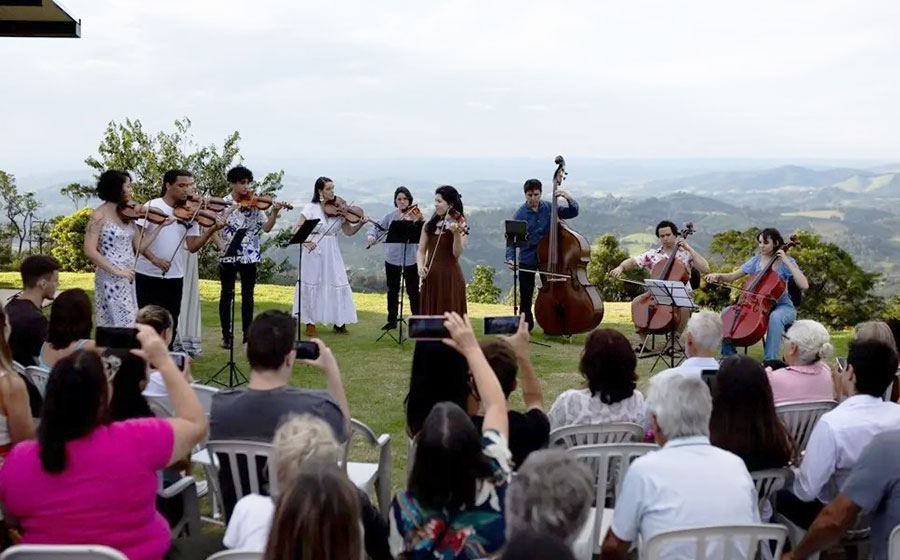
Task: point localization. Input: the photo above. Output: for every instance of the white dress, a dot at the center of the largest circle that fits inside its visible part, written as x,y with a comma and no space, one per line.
115,302
326,294
189,326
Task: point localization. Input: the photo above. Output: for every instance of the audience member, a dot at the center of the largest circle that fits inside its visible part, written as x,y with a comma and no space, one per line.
529,431
743,417
840,435
608,363
160,319
453,507
687,483
70,328
16,423
807,377
127,375
702,339
254,413
536,547
104,473
882,332
40,279
438,374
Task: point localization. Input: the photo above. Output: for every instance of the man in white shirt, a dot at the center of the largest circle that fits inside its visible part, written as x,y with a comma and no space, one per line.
840,436
702,338
687,483
160,267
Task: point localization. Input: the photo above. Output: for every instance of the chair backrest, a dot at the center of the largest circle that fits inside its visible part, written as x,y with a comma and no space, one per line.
61,552
231,450
236,555
205,395
160,406
800,418
38,377
18,368
357,429
769,481
739,541
894,544
593,434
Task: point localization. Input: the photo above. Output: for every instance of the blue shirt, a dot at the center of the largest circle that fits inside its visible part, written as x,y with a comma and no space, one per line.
393,253
753,266
538,225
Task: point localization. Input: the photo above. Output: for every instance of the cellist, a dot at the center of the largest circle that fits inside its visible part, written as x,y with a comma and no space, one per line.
783,314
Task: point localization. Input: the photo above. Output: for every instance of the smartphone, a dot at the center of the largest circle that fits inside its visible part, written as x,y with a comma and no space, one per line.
306,350
501,325
179,358
116,337
841,363
427,327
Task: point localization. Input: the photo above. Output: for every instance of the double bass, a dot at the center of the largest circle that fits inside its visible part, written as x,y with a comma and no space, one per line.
746,322
651,317
567,302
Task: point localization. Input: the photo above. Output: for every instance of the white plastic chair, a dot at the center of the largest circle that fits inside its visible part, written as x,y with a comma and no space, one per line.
410,455
205,395
894,544
230,451
186,489
731,537
593,434
38,377
236,555
371,475
61,552
18,368
800,417
768,482
599,459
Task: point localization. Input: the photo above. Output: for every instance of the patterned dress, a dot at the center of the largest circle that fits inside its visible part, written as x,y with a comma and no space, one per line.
115,301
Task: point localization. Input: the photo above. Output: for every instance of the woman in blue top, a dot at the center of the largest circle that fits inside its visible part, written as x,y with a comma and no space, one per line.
783,314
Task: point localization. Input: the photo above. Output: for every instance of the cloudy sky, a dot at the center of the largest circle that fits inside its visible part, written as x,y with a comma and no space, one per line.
464,78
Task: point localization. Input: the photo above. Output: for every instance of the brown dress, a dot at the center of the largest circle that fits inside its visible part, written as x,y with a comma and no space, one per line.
444,288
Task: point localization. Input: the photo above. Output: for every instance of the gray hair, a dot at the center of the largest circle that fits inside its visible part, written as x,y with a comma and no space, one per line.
681,404
811,339
297,439
875,330
705,329
551,494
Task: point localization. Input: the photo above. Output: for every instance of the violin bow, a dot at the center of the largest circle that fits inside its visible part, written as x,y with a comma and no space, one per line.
740,289
436,243
331,227
141,238
187,227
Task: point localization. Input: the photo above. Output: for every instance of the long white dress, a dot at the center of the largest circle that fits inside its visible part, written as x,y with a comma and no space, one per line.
326,294
189,325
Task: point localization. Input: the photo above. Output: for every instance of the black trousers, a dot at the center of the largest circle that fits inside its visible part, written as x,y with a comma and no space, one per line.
411,279
526,292
228,274
165,292
799,512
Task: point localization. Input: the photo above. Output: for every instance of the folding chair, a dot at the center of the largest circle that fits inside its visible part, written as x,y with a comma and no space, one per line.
368,475
593,434
738,541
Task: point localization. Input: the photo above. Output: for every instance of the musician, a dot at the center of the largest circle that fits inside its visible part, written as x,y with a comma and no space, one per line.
781,316
395,261
537,214
440,246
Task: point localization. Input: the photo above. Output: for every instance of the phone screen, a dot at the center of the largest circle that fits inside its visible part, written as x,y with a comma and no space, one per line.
307,350
501,325
427,327
178,358
841,362
116,337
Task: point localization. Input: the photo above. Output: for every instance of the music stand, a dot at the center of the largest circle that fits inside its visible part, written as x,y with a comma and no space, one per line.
235,376
516,234
298,239
405,232
677,295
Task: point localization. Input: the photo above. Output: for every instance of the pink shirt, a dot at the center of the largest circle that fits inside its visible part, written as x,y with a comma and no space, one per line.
811,382
105,495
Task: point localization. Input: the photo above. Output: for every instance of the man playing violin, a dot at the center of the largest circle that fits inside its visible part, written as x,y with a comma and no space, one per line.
159,274
536,213
248,255
395,261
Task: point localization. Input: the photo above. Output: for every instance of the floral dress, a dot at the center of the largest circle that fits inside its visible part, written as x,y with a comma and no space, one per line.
115,301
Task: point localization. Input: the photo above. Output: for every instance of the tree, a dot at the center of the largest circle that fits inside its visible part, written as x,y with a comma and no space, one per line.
77,193
20,207
606,254
482,288
67,237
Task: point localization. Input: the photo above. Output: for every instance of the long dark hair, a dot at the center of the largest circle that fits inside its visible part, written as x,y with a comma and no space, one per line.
76,403
608,363
452,197
128,373
743,418
6,359
439,373
70,318
318,187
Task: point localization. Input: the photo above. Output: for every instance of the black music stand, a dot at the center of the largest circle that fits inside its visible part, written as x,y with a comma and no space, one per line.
676,295
298,239
235,376
516,234
405,232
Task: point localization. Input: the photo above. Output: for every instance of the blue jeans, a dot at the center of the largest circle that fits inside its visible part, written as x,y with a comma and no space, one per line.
780,318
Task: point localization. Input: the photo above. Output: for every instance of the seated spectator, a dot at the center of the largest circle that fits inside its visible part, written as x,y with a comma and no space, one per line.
551,494
608,363
127,374
872,487
536,547
530,431
439,374
104,473
317,517
255,412
687,483
453,507
871,330
743,417
16,423
160,319
840,435
70,327
807,376
702,339
40,279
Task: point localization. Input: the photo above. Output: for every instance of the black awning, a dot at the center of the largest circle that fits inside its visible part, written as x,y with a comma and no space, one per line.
36,18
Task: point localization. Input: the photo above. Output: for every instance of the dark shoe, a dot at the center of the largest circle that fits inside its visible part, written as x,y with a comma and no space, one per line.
226,342
342,329
311,330
390,325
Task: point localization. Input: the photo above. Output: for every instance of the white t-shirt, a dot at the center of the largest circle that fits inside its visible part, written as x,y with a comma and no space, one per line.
250,523
165,244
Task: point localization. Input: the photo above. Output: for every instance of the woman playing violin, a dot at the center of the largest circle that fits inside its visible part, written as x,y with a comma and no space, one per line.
783,314
326,294
440,246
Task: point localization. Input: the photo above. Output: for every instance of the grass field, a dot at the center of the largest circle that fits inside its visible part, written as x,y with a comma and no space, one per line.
376,375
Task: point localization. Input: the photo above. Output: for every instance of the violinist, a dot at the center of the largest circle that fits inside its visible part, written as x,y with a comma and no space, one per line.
783,314
327,297
252,219
440,246
395,261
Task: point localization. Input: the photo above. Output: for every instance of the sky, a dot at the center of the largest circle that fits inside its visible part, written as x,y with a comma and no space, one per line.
362,79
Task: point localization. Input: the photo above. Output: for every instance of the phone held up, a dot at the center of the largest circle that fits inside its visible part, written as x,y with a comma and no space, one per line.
501,325
117,337
427,327
841,363
180,358
307,350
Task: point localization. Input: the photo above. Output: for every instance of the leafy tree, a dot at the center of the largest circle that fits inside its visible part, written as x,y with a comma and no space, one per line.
482,288
606,254
20,207
67,237
76,192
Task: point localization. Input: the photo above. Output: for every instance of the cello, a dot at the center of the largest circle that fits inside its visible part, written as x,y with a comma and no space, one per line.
746,322
647,315
567,303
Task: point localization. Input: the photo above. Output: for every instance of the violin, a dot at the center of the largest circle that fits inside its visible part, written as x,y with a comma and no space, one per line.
194,210
131,210
260,202
212,203
650,317
337,206
456,216
412,213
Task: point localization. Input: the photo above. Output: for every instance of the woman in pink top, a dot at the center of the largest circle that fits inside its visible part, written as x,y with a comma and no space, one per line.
807,376
88,481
